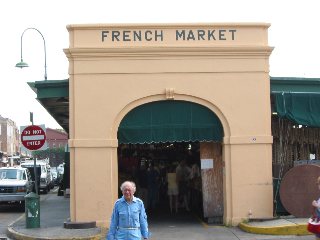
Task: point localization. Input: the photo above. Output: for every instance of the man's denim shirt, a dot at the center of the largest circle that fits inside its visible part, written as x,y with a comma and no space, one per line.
128,219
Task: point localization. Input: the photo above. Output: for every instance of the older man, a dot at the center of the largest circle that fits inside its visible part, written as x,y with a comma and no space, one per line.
129,219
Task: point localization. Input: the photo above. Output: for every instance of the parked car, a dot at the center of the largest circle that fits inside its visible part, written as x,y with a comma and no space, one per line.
15,184
43,173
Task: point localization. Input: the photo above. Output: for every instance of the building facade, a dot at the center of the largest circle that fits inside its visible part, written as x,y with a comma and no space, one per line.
118,70
56,138
9,139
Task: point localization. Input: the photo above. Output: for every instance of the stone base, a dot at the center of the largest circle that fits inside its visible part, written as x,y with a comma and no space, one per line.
79,225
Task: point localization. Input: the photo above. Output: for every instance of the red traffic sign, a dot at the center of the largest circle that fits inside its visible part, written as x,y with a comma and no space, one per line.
33,137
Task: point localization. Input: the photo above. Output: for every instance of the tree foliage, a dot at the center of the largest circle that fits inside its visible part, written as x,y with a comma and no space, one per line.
55,155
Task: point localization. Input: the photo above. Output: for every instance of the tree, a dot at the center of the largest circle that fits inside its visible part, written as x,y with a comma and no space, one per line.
56,155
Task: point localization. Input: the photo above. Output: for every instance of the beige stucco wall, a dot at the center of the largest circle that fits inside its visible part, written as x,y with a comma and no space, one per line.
229,75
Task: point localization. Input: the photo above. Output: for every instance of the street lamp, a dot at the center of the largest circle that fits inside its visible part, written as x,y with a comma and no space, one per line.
23,64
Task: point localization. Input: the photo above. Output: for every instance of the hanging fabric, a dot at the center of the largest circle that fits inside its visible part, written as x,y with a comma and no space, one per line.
170,121
301,108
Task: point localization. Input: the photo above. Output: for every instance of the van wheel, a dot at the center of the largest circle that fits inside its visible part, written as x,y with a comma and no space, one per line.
45,190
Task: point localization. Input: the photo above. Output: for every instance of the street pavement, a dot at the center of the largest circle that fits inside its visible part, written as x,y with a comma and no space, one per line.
185,226
54,211
8,214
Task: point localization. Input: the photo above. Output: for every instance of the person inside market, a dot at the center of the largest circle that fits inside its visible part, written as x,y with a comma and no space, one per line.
195,185
183,177
142,178
153,186
172,189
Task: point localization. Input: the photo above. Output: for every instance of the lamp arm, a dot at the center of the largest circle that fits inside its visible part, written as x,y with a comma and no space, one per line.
45,52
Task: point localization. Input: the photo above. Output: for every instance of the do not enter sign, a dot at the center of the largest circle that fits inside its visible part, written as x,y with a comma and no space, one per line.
33,137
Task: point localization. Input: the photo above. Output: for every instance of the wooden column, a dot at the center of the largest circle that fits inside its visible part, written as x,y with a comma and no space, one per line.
212,181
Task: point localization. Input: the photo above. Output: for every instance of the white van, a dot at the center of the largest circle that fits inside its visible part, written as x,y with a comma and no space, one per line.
15,184
43,168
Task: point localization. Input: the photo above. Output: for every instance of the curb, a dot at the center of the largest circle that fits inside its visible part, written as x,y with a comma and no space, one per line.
296,229
20,236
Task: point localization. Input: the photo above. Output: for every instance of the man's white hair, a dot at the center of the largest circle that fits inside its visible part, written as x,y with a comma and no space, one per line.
133,185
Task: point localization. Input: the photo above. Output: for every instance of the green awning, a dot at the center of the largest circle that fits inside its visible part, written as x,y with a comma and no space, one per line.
170,121
301,108
53,95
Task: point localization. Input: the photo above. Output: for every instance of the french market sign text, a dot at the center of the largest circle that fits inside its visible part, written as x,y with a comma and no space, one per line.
160,35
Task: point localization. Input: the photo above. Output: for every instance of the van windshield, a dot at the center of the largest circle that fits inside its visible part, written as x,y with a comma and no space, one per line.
10,174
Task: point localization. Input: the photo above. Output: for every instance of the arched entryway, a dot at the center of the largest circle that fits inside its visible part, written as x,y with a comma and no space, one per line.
163,133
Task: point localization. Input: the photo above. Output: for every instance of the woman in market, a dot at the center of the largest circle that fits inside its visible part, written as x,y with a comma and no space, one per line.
172,189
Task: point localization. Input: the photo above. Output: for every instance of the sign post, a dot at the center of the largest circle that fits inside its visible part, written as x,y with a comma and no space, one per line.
33,137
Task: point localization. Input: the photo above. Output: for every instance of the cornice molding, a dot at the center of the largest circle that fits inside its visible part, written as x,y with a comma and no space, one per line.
164,25
225,52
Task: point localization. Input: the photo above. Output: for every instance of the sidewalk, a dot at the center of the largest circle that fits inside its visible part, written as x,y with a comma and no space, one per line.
54,211
283,226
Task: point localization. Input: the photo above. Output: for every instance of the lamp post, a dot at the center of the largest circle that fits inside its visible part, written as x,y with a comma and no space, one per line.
23,64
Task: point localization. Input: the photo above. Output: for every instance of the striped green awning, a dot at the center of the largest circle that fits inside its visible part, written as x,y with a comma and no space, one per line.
170,121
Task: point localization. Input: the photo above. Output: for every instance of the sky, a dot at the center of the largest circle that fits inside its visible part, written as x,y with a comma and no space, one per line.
294,33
